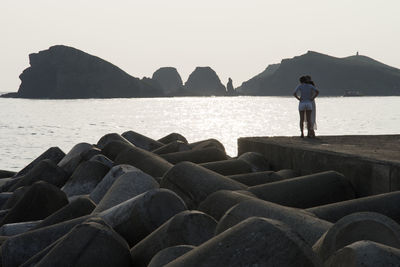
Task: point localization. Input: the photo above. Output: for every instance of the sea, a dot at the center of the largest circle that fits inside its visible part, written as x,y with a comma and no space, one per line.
29,127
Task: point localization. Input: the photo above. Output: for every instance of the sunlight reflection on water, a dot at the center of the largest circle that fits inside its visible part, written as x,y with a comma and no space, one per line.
29,127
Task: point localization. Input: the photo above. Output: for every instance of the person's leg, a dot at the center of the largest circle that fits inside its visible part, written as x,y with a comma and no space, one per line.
301,112
309,127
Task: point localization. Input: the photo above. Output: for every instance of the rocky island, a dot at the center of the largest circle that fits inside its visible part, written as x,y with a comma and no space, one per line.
334,76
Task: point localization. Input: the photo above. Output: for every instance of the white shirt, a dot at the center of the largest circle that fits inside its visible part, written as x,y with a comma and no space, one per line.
306,92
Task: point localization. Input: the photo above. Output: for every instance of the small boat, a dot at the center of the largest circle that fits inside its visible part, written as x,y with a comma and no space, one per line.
352,93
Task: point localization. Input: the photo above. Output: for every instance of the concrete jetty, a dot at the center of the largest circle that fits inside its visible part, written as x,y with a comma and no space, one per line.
133,200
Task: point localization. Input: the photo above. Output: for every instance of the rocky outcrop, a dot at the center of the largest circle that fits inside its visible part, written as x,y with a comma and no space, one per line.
169,80
334,76
66,72
204,81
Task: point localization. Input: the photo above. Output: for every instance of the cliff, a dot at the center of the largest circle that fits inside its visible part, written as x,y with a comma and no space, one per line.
333,76
65,72
169,80
205,82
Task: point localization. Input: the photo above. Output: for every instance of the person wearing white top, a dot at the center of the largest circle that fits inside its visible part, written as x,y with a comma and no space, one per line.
307,95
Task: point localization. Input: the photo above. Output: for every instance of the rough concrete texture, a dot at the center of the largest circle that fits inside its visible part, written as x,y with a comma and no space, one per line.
41,200
165,256
256,160
108,138
217,203
53,153
172,137
253,242
85,178
187,227
382,203
15,197
73,158
17,228
306,191
370,162
148,162
102,159
20,248
79,207
355,227
196,156
365,254
127,186
89,244
142,141
208,143
194,183
174,146
255,178
102,187
113,148
46,170
228,167
309,227
135,218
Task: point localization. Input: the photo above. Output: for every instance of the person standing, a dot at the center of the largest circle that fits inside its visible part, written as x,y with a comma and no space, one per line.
305,93
314,107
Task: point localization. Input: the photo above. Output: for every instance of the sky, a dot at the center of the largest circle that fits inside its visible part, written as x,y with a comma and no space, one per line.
238,39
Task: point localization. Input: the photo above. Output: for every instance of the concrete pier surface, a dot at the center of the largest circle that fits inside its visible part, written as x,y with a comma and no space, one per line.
371,162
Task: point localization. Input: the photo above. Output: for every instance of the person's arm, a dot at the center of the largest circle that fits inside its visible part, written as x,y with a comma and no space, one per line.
316,93
295,93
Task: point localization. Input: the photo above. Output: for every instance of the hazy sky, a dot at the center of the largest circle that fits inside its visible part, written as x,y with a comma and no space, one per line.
237,39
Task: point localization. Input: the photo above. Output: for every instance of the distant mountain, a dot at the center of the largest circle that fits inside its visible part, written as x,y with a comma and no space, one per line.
63,72
333,76
204,81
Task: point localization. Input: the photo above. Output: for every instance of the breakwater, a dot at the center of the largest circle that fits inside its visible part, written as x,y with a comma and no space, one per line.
130,200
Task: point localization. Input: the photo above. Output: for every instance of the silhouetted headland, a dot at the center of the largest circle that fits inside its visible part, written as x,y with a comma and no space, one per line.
63,72
334,76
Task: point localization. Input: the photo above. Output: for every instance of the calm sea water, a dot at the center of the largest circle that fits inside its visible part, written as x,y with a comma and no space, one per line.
29,127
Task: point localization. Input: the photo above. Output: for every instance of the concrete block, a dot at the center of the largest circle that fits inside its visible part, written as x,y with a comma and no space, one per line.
73,158
256,160
194,183
385,204
85,178
309,227
196,156
20,248
46,170
365,254
172,137
102,159
89,244
11,229
102,187
187,227
228,167
148,162
127,186
306,191
41,200
112,149
217,203
53,153
165,256
174,146
255,178
135,218
208,143
79,207
356,227
142,141
111,137
253,242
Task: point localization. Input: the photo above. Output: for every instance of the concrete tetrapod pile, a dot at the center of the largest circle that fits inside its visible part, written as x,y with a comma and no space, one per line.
131,200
